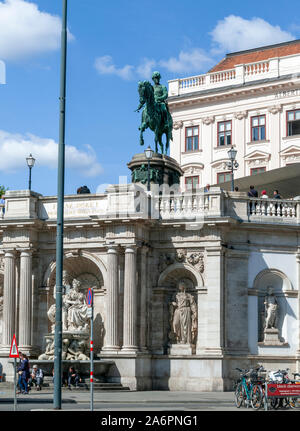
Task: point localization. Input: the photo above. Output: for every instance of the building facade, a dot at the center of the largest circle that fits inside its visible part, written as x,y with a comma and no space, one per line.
226,248
250,101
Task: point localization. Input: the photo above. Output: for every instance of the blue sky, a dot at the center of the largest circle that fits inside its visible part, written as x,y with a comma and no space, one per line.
112,45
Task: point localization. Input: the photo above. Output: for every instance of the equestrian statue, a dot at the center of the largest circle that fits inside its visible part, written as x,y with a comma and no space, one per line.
156,113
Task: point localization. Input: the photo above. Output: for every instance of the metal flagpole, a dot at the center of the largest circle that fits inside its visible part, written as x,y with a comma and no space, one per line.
60,217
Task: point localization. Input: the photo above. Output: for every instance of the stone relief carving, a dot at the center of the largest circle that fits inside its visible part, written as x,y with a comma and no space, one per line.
1,264
183,316
74,347
197,260
208,120
180,255
275,109
240,115
178,125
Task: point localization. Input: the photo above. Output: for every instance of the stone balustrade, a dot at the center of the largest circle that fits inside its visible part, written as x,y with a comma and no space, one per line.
284,209
240,74
133,203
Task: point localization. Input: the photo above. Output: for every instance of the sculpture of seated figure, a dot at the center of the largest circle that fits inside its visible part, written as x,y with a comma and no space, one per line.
78,319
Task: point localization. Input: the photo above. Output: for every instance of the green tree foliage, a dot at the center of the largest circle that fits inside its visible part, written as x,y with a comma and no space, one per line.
3,189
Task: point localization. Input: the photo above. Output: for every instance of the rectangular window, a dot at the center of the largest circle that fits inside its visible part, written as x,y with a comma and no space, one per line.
191,183
192,138
255,171
293,123
258,128
223,177
224,133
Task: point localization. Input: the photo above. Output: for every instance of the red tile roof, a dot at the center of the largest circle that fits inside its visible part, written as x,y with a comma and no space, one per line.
258,54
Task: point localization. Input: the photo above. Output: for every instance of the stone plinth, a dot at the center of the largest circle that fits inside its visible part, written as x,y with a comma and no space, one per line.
163,170
181,349
271,338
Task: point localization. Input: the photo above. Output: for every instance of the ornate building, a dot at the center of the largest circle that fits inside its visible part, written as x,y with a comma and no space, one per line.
249,100
181,298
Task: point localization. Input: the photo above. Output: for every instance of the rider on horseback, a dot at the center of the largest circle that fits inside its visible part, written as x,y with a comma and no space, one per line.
160,95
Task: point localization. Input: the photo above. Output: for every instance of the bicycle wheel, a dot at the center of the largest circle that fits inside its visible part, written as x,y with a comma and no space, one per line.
275,403
257,397
239,395
294,403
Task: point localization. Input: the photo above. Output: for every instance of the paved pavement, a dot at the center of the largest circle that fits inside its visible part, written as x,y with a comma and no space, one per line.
120,400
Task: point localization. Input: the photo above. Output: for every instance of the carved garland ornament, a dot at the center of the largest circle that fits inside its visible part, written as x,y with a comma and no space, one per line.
240,115
178,125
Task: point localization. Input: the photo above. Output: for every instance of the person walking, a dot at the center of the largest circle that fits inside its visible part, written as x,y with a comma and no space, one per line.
24,373
36,377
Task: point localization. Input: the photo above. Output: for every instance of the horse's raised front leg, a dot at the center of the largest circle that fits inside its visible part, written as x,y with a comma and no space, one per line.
142,128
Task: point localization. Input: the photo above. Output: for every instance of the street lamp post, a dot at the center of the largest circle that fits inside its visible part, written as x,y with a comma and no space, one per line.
30,163
232,164
149,154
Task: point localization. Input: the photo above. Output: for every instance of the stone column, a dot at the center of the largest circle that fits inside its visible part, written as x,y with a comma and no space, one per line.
143,309
130,302
202,320
25,308
215,300
112,315
9,301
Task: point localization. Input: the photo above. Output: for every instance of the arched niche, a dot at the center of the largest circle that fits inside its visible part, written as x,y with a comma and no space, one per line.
85,266
91,272
180,271
281,285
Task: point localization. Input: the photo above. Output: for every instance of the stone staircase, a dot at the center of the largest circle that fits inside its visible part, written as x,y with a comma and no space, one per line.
49,386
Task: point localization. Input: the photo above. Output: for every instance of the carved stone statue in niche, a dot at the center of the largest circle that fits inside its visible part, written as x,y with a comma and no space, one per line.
183,316
77,319
52,310
271,336
271,310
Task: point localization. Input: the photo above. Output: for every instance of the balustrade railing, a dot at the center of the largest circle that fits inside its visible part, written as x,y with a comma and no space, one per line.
224,75
272,208
256,68
185,205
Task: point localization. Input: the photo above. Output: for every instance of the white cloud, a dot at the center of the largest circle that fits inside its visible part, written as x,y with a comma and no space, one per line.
187,61
235,33
145,69
14,148
105,66
26,31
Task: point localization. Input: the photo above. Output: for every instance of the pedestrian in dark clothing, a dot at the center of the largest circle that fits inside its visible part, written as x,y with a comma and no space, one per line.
236,189
24,373
276,194
252,192
83,190
73,378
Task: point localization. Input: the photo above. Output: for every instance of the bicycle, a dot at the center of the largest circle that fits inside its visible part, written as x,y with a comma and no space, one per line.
248,391
295,402
279,376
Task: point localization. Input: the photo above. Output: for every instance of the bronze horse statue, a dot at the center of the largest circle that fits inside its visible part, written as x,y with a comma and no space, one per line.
154,117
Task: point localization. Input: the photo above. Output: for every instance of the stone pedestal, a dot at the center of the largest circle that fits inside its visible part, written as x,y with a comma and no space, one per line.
271,338
164,170
181,349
